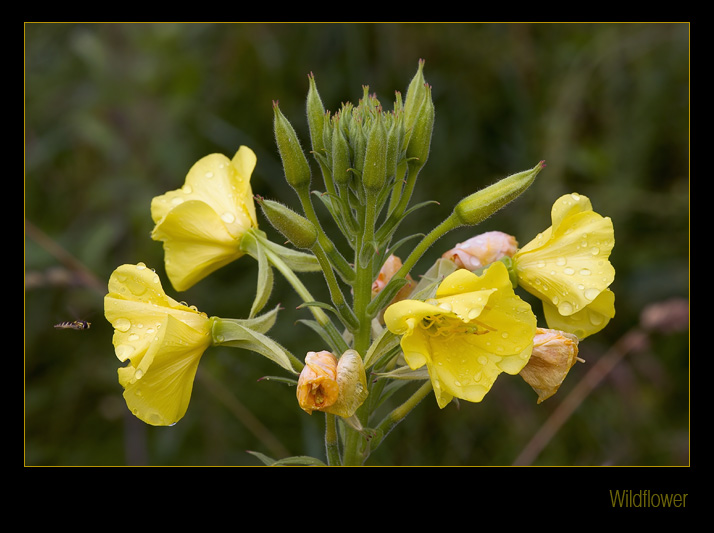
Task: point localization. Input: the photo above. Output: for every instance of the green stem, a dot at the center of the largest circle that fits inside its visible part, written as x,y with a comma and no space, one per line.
331,441
400,413
302,291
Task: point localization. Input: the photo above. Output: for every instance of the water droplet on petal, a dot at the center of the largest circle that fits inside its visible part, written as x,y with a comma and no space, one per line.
565,308
123,351
138,374
122,324
569,271
584,272
591,294
228,217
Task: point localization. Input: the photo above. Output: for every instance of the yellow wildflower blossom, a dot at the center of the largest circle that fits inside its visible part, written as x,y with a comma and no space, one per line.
162,340
567,267
474,329
202,223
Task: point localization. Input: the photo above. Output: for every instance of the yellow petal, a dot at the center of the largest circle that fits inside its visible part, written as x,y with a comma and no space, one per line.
588,320
474,330
161,339
159,392
196,243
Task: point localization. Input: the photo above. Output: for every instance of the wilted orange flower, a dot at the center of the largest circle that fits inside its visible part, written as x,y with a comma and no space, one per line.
330,385
554,354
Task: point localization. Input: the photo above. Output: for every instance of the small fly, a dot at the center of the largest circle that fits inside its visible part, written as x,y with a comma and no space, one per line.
74,324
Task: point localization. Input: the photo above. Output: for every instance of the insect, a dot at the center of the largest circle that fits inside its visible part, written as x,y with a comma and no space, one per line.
74,324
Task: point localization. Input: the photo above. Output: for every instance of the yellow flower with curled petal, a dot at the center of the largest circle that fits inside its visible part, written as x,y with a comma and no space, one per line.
202,223
162,340
473,330
567,267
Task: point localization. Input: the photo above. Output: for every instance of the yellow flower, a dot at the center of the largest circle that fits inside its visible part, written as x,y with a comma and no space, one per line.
162,340
482,250
473,330
332,386
202,223
554,354
567,267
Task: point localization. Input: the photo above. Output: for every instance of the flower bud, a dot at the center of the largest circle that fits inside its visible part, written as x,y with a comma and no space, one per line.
296,228
340,154
374,173
415,96
332,386
420,138
482,204
315,116
295,165
390,267
482,250
554,353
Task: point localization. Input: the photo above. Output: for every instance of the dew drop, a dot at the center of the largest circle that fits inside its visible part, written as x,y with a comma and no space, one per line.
140,266
176,200
540,264
504,334
569,271
482,360
187,189
591,294
473,313
228,217
565,308
594,250
209,174
138,374
584,272
133,337
561,261
123,351
122,324
445,306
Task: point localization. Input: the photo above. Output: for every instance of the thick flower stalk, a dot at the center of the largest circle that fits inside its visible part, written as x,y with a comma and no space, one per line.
567,266
475,329
161,340
202,224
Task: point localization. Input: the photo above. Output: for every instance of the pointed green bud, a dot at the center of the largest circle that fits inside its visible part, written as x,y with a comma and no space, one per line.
296,228
415,96
374,174
395,138
315,116
420,139
340,154
295,165
482,204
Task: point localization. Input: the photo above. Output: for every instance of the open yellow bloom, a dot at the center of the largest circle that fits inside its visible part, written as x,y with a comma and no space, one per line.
330,385
554,354
474,329
202,223
567,267
162,340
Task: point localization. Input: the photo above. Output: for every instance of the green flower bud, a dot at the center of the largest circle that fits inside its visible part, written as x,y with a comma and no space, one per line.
296,228
340,154
482,204
420,139
415,95
374,174
315,116
295,165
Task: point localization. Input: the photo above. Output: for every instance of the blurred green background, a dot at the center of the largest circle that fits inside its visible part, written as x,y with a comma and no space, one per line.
116,114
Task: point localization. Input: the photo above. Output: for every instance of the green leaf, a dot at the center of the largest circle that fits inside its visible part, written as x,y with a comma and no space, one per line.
236,335
297,460
264,284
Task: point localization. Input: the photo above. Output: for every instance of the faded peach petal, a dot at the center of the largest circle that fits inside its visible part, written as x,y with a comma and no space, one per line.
554,354
482,250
